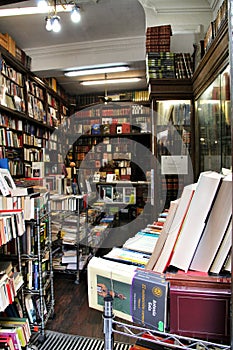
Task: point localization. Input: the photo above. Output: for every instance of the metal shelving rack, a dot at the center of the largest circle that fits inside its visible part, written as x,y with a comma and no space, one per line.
45,288
65,214
165,340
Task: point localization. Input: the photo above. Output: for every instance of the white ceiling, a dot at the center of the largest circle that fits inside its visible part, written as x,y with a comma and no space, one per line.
109,31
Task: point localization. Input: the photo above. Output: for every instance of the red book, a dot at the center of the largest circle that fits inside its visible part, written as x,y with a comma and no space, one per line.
7,343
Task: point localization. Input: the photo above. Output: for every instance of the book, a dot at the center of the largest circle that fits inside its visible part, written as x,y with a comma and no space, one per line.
142,242
6,182
18,321
149,294
6,267
18,326
6,343
174,229
200,308
107,277
137,294
127,256
11,332
195,221
223,251
216,226
30,308
163,235
17,221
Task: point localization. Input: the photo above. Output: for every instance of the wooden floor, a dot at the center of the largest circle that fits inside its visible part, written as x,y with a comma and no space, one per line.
72,313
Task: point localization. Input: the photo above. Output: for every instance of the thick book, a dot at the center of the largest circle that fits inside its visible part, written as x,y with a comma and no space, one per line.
223,251
199,308
175,228
107,277
163,235
215,228
149,293
138,295
196,217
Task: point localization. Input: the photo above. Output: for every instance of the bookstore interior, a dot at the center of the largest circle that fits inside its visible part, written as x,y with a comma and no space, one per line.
125,190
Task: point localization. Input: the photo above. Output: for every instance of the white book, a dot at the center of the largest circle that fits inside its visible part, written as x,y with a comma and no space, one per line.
175,228
223,251
215,228
163,235
105,276
195,221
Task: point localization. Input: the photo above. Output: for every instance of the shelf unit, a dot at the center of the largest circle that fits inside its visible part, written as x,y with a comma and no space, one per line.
36,263
12,281
77,234
26,120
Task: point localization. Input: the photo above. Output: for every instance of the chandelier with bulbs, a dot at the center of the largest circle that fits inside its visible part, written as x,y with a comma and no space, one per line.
52,20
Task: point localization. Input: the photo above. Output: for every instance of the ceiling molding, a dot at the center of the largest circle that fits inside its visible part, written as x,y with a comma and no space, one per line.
65,55
181,11
214,4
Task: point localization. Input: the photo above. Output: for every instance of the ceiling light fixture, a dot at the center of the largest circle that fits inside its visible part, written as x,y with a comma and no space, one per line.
75,14
110,81
53,21
100,70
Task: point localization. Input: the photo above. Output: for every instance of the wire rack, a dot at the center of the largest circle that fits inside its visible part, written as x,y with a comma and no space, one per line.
165,340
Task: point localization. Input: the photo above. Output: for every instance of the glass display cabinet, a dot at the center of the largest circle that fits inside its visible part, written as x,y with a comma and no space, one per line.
213,114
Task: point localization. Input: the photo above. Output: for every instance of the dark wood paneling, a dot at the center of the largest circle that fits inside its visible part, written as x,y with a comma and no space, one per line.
163,89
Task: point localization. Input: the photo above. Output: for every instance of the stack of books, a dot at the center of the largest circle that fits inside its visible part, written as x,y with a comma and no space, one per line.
158,38
160,65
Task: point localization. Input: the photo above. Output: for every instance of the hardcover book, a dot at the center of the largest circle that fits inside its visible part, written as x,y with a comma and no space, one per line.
196,217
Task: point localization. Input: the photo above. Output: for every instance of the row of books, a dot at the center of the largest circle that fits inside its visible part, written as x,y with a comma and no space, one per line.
158,38
84,100
199,235
15,333
12,224
115,274
10,283
215,25
161,65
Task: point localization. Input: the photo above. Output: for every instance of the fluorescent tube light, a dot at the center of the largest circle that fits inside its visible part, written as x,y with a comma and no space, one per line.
19,11
110,81
101,70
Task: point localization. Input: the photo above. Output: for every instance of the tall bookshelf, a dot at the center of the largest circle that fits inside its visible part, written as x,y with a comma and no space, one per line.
30,110
104,130
12,279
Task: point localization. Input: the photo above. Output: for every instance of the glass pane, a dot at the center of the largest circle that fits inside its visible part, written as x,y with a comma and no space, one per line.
213,119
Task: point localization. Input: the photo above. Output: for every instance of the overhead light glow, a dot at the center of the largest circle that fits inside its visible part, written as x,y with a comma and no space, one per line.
75,14
101,70
43,4
56,24
110,81
20,11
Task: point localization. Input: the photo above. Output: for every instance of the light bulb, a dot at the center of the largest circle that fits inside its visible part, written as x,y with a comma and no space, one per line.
43,4
56,25
48,25
75,14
